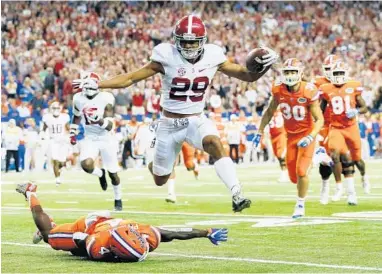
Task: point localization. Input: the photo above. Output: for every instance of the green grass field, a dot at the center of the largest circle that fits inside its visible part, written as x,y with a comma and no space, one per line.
264,238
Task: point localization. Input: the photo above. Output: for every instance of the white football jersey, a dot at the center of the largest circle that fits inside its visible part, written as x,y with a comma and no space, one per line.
81,103
184,84
56,125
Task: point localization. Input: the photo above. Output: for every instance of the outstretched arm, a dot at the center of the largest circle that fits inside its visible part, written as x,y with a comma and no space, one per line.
240,72
213,234
128,79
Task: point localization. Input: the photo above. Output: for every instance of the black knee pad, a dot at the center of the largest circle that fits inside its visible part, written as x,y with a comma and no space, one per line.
347,168
114,178
282,161
325,171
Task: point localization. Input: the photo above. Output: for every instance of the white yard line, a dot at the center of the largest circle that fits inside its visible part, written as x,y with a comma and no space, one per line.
66,202
154,213
234,259
200,195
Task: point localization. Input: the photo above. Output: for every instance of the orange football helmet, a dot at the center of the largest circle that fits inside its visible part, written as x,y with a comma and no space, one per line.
128,244
329,61
290,65
339,74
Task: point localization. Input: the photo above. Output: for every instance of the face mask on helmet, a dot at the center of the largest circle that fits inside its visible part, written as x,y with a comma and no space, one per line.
326,69
190,48
339,74
55,109
90,92
291,77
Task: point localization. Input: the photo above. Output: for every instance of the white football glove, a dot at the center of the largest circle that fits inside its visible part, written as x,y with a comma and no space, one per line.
270,58
351,113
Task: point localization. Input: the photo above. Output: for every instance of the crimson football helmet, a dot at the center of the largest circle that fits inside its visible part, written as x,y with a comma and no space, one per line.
292,64
339,73
328,63
190,29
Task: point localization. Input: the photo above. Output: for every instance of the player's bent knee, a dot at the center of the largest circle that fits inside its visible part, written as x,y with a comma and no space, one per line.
325,171
161,180
88,165
348,168
114,178
213,146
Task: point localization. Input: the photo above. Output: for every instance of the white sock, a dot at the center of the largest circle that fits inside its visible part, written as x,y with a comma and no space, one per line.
58,180
300,201
226,171
339,186
117,192
325,183
97,172
350,185
171,186
196,168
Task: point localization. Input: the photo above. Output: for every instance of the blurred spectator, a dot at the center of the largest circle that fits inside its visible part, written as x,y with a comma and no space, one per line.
38,102
138,100
26,92
24,109
49,81
233,132
12,137
31,139
121,101
11,87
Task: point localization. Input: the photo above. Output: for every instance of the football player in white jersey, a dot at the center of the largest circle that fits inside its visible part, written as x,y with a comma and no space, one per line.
187,69
96,110
57,124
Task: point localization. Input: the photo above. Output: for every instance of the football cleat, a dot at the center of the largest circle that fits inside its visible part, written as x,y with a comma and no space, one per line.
217,235
352,199
118,205
239,203
284,177
102,180
25,187
338,194
299,212
366,184
171,198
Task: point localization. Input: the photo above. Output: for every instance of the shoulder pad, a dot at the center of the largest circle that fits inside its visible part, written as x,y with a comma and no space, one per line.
161,53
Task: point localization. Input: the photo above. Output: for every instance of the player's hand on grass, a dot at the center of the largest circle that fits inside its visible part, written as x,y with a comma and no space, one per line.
217,235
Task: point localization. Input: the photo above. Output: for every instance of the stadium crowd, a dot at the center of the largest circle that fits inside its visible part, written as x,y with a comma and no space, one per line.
48,44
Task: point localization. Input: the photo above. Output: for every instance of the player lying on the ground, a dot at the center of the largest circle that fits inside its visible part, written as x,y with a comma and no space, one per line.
98,236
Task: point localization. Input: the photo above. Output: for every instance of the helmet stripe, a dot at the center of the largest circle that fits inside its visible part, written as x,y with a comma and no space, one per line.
125,245
189,28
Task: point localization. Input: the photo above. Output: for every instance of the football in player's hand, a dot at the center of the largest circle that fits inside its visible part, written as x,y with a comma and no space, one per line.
254,60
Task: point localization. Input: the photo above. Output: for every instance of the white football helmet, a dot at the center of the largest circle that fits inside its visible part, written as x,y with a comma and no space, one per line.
90,83
329,61
55,108
292,64
339,73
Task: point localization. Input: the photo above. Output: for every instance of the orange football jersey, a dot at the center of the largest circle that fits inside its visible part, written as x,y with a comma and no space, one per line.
341,99
319,81
276,125
294,106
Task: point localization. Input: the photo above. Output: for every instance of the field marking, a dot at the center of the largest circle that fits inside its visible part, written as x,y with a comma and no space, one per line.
196,214
66,202
235,259
200,195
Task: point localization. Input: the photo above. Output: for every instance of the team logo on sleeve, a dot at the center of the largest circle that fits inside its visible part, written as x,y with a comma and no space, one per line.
349,90
301,100
181,71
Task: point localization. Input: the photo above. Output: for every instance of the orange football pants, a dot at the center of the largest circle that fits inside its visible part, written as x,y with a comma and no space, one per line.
61,237
346,139
188,155
279,144
298,159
